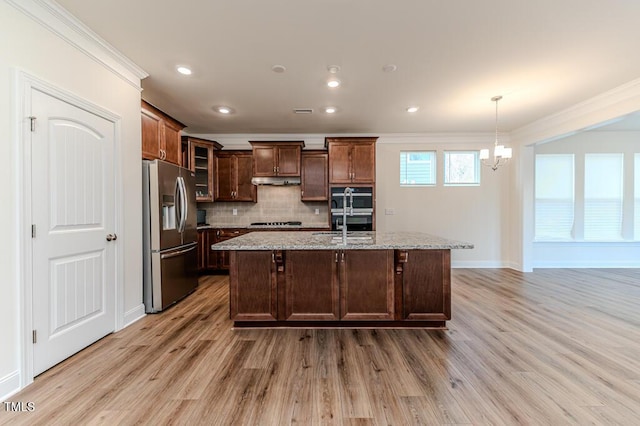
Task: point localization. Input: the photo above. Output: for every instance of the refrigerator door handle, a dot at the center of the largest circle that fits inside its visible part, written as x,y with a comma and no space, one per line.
180,202
185,204
178,252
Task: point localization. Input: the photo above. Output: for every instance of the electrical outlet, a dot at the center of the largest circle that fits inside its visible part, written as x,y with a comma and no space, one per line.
317,211
389,212
234,212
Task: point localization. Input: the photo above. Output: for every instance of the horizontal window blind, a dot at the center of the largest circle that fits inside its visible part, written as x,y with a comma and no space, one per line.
554,196
417,168
636,190
603,192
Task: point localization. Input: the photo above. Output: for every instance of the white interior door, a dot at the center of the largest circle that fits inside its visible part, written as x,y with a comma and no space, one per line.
73,210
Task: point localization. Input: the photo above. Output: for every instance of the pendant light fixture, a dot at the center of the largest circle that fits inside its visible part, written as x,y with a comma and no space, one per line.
500,154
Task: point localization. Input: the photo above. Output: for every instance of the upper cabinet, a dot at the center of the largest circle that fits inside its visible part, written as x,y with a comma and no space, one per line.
233,177
314,184
160,135
201,163
352,160
276,158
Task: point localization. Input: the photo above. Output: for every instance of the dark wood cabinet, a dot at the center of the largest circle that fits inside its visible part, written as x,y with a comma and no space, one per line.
366,285
253,286
213,260
352,160
314,179
311,285
201,162
160,135
233,176
426,284
203,248
341,287
276,158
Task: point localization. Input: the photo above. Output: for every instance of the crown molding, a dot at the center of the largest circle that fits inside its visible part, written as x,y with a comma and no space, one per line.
316,141
55,18
587,115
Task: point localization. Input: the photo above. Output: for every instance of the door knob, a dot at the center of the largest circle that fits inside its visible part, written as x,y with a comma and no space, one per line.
112,237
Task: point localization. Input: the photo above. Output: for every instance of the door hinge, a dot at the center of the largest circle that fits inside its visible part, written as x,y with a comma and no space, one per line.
35,336
33,231
33,123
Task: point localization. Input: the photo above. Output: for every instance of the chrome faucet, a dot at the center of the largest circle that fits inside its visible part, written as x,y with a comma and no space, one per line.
347,191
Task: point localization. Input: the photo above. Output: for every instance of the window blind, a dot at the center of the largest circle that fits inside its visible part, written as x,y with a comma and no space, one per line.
554,196
603,193
417,168
636,204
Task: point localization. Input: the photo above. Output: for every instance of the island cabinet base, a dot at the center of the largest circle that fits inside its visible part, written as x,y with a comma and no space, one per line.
381,288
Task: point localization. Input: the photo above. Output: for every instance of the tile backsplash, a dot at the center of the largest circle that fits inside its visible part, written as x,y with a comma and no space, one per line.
275,204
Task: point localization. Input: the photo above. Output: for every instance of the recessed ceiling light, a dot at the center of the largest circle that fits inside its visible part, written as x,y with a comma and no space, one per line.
222,109
333,83
330,110
389,68
278,68
333,69
412,109
184,70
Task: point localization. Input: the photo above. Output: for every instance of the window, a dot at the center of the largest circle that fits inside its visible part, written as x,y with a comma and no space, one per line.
603,196
461,168
636,204
554,196
417,168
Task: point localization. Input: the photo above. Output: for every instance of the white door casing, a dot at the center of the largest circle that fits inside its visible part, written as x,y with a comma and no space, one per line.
73,209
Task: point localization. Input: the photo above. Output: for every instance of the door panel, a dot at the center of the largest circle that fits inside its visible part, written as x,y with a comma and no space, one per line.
73,207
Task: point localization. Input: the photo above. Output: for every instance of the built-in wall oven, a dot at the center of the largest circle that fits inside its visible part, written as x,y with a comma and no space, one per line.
360,218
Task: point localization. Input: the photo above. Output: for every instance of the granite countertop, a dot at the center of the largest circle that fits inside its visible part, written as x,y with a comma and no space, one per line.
258,227
325,240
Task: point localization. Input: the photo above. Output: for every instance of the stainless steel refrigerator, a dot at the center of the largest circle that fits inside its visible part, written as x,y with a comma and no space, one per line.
170,237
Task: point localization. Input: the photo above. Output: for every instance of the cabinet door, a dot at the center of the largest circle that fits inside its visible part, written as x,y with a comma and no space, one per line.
201,163
245,190
202,249
264,161
224,183
339,162
311,285
426,284
288,163
367,284
172,143
252,287
314,179
363,163
151,135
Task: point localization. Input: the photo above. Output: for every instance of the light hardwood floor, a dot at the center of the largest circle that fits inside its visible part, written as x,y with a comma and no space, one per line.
551,347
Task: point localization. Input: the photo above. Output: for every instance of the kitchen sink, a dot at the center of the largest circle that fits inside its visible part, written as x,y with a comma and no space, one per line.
338,240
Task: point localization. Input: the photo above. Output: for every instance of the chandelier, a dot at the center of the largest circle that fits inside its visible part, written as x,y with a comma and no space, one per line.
500,154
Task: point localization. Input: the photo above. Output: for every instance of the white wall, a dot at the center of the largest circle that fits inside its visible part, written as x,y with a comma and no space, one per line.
588,253
29,47
476,214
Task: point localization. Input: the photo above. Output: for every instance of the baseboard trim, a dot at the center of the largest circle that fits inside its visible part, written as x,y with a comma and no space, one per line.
480,264
134,315
9,385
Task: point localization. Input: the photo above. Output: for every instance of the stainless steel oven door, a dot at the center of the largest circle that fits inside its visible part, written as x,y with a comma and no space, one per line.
361,220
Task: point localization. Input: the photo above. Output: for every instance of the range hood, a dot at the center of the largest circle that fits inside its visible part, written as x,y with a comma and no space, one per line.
276,180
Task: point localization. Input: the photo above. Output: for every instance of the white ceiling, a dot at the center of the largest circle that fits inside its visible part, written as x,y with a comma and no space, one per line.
452,57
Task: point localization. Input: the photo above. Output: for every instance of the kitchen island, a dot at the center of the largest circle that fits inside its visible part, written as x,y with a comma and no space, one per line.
317,279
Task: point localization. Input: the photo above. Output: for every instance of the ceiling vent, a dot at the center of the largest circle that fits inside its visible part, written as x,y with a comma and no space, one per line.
303,110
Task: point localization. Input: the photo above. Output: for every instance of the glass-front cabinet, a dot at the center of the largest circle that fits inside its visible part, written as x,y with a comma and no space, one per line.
201,163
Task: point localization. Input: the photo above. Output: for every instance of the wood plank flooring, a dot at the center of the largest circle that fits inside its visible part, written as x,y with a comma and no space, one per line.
551,347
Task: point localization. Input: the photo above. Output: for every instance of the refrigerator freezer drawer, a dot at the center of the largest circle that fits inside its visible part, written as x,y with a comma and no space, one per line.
175,275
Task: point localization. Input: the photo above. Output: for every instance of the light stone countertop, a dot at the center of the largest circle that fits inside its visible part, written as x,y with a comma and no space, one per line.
326,240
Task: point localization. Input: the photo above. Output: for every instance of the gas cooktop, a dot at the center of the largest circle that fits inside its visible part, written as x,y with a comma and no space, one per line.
289,223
